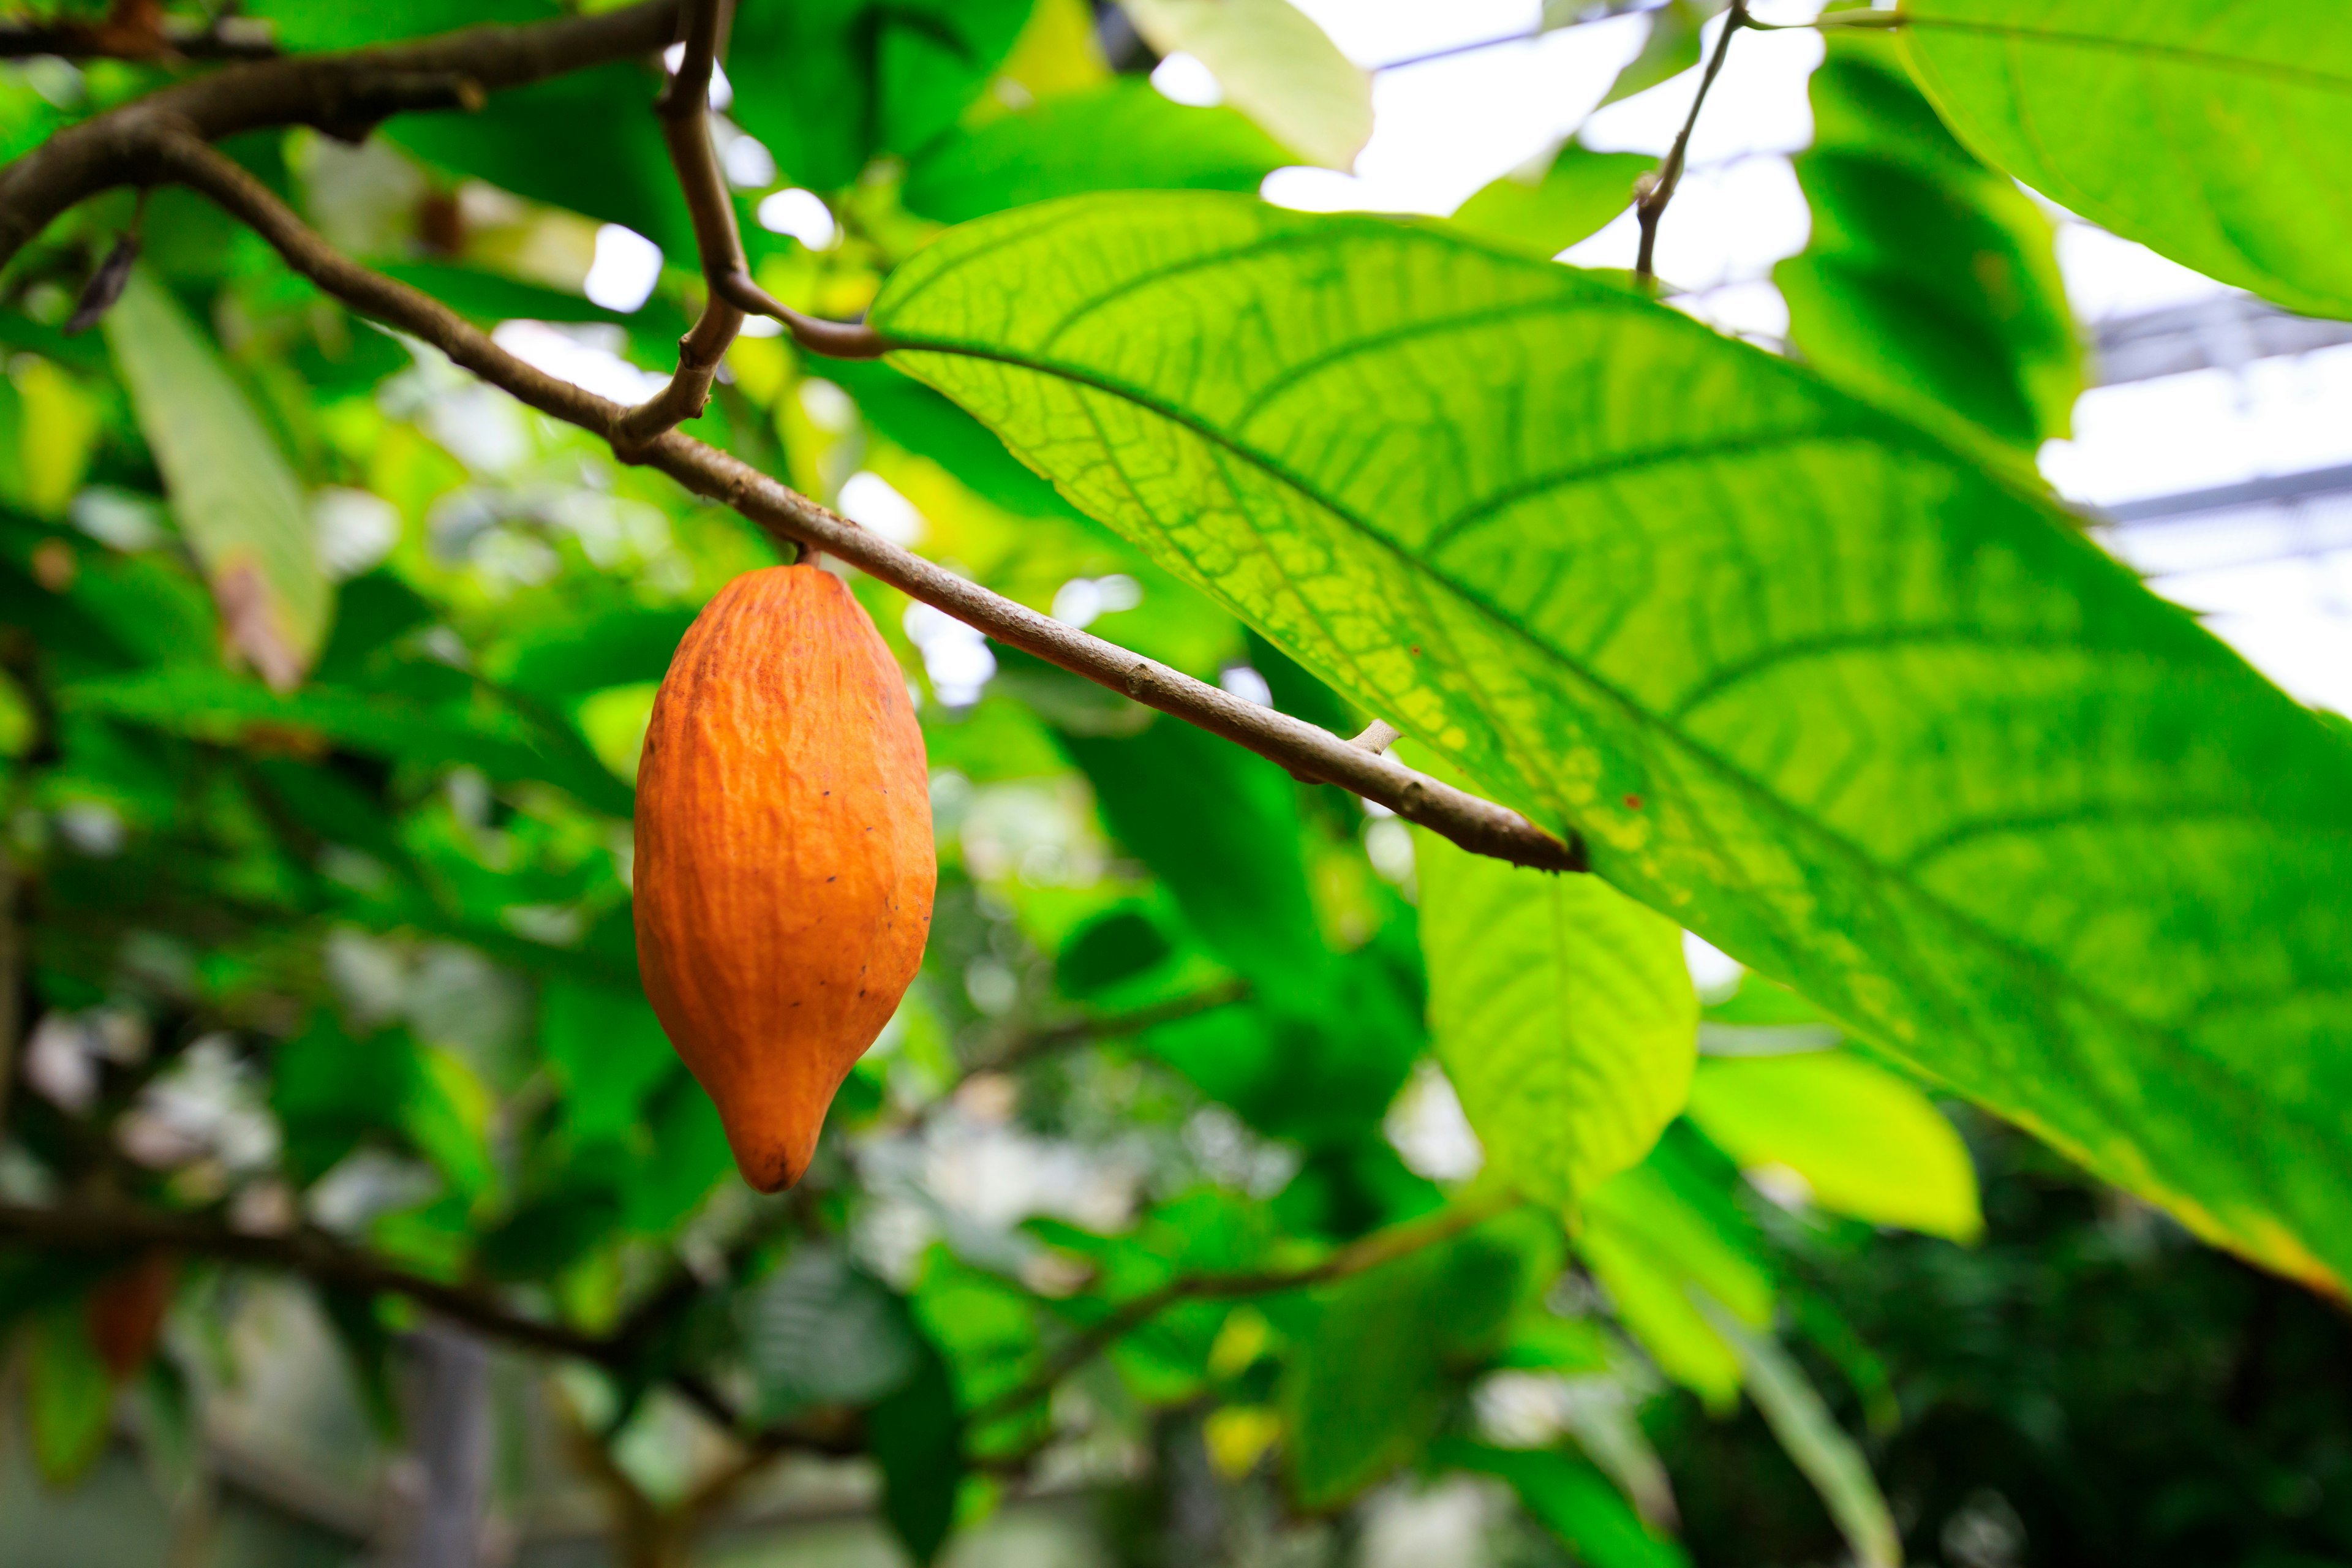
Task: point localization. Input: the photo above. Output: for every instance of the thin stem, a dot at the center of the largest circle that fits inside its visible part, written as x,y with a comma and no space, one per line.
1378,736
1371,1252
684,107
1479,825
1651,205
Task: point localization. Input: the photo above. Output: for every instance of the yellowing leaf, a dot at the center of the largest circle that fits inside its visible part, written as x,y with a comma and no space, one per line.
1869,1144
1277,67
60,426
234,498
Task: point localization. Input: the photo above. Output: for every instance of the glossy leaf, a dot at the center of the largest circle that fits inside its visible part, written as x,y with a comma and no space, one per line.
1545,212
1277,67
1868,1145
1122,136
1562,1013
236,499
1930,282
1811,681
2214,132
916,1440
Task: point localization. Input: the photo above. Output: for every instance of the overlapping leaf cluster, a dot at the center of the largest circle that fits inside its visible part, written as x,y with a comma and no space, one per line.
325,669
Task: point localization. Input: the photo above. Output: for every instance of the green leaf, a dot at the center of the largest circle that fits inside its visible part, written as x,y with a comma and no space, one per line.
1867,1143
1655,1248
829,83
330,1090
1930,282
2217,133
1562,1012
1670,49
607,1052
1546,211
820,1330
1570,1497
1811,1438
302,24
234,499
68,1394
1367,1386
1869,717
212,705
917,1438
587,142
1277,67
1122,136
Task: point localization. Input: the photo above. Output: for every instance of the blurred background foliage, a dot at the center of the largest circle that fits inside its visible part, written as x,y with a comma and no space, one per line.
318,935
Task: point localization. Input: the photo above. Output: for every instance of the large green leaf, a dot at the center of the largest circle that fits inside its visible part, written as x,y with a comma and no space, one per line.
2217,131
1930,282
234,496
1562,1012
1868,717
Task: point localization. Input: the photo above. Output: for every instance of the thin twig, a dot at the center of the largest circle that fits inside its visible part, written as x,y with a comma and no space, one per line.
684,107
1651,205
1377,736
1381,1246
1479,825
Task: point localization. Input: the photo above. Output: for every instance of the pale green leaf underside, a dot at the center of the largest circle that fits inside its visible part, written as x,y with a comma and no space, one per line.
1812,685
2216,131
1562,1013
233,494
1870,1145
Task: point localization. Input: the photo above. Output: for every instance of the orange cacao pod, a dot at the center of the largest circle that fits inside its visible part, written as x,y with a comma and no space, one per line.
784,867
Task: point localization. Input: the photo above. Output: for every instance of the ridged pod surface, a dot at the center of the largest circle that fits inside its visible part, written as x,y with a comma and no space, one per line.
785,866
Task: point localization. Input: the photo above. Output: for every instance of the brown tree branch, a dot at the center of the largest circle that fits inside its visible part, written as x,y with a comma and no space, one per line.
1649,205
226,37
343,95
1479,825
1385,1245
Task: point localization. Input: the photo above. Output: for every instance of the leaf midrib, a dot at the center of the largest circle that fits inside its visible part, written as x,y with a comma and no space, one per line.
2158,1035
